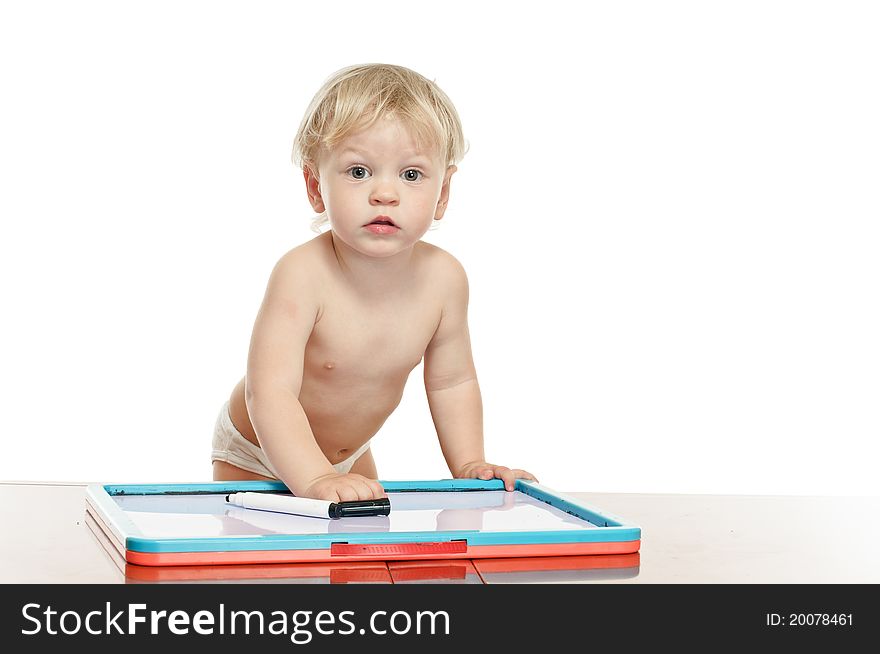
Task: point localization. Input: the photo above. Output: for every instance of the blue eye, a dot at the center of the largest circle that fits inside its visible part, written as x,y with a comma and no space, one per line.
412,175
358,172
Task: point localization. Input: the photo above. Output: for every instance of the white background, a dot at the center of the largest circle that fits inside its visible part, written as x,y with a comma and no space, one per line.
668,213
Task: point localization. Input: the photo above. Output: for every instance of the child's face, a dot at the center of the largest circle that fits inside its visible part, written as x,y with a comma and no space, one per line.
381,192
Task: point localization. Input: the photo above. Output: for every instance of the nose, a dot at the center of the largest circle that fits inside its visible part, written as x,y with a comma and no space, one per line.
383,192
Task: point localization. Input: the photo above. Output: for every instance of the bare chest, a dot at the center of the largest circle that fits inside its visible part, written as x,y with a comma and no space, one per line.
357,343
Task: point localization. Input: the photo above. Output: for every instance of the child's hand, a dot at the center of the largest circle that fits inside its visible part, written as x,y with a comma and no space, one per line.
483,470
344,488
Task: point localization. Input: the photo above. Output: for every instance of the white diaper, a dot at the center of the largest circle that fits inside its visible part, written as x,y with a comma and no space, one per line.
230,446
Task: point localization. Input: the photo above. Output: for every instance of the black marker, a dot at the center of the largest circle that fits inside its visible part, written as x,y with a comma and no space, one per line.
309,507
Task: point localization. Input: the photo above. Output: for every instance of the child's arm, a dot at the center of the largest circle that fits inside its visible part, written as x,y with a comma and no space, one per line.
453,391
274,378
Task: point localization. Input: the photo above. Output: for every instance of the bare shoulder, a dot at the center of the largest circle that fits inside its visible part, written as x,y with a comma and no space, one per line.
304,262
444,270
298,273
303,254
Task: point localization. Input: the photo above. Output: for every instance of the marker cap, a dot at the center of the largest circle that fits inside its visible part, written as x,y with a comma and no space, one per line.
360,508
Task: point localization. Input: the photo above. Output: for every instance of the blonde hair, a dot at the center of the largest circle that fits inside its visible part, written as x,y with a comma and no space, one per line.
357,96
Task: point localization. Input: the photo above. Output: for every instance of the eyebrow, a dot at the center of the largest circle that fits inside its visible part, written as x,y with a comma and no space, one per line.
357,153
404,155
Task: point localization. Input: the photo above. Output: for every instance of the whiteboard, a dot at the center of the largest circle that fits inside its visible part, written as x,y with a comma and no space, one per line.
207,516
168,524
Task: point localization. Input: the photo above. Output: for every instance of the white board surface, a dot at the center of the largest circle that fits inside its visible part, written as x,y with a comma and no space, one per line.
209,516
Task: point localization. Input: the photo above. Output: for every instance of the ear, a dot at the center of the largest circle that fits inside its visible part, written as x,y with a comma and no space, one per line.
444,193
313,188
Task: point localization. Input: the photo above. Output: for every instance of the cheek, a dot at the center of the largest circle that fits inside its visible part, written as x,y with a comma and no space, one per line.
427,200
336,198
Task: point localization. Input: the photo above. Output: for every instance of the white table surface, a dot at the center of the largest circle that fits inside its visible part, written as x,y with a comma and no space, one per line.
685,538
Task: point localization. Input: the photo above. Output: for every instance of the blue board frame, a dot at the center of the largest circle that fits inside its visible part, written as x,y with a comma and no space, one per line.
100,497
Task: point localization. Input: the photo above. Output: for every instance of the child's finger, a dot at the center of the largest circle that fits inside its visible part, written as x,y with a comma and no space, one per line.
507,476
347,494
378,491
522,474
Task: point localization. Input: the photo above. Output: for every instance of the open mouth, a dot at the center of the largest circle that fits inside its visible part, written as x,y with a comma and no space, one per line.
382,220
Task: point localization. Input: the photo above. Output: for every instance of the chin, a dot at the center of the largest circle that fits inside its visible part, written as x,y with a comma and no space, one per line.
374,247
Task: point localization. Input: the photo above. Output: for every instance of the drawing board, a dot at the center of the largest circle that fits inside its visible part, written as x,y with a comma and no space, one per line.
191,524
552,569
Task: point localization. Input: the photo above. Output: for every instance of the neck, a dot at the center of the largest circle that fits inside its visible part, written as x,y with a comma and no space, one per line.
372,276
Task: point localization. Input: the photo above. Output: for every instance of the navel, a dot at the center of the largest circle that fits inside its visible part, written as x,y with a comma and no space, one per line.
329,365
